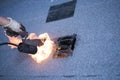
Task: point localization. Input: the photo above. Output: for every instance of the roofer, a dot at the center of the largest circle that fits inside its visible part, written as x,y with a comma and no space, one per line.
13,28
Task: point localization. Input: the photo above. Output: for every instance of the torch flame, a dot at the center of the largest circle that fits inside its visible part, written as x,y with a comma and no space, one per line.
15,40
43,52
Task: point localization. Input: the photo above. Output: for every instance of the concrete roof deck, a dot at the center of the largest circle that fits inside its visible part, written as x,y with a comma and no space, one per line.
97,51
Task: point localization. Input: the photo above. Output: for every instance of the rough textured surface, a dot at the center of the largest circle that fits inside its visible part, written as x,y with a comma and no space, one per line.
97,51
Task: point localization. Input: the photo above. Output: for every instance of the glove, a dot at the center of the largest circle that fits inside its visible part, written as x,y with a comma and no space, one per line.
14,29
10,32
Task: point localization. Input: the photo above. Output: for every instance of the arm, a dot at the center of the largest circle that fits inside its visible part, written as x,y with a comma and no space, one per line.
4,21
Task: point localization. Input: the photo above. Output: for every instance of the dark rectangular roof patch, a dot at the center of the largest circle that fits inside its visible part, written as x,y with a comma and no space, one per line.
61,11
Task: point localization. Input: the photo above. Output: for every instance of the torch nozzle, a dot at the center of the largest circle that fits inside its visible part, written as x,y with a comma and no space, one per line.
26,48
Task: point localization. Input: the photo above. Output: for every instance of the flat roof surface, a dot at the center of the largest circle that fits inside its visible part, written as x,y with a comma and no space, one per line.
97,51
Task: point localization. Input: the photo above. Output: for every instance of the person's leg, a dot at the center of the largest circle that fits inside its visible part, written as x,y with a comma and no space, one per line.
4,21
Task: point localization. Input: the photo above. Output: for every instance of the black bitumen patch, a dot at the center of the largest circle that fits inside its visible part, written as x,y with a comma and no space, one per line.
61,11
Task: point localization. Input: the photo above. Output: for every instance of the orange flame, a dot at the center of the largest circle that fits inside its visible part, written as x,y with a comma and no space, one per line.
15,40
43,52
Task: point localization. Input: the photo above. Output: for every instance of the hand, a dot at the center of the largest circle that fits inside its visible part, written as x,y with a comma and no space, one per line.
10,32
14,29
23,33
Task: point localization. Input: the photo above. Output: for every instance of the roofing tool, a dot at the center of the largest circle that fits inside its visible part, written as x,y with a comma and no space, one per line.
28,46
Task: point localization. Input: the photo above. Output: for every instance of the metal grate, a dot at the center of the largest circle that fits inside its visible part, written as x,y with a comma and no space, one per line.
65,46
